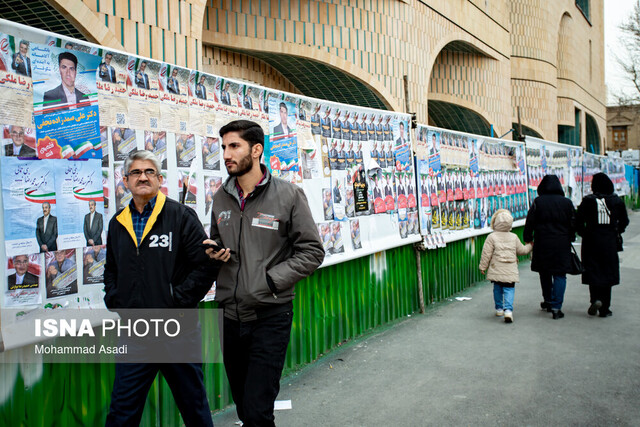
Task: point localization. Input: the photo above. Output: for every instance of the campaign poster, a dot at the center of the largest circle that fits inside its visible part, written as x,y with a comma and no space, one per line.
433,144
356,239
18,141
337,240
327,204
402,154
122,194
123,141
187,188
93,261
156,142
61,273
111,81
211,153
282,157
79,189
338,192
143,91
376,188
104,145
29,200
324,230
202,103
185,149
360,191
211,184
16,87
65,101
473,156
174,105
23,280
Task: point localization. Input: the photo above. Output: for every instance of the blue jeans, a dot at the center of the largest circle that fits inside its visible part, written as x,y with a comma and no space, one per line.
553,287
503,296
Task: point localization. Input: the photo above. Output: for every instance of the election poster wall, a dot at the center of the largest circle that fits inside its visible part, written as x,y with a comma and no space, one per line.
71,112
463,179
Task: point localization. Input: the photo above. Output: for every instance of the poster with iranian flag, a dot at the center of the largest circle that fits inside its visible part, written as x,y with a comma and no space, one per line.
29,201
80,190
16,88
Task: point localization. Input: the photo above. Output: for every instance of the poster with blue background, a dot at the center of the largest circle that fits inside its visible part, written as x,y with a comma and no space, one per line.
79,189
28,196
65,101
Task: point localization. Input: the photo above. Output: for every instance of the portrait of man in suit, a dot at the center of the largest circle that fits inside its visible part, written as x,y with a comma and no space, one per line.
93,225
106,71
66,94
201,90
248,101
283,128
172,84
142,78
20,61
47,229
225,98
401,140
18,147
21,278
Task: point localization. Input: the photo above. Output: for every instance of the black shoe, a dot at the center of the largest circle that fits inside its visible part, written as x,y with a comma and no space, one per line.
594,307
557,314
607,313
545,306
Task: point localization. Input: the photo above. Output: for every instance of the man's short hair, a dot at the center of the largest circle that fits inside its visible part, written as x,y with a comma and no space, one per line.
248,130
141,155
282,104
16,256
24,42
46,203
69,56
92,201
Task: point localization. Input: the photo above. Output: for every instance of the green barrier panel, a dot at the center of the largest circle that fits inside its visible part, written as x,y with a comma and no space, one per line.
336,304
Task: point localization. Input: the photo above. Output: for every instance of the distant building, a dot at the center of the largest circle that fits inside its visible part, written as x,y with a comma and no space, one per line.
623,127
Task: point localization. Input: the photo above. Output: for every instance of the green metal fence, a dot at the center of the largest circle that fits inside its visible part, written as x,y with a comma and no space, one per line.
336,304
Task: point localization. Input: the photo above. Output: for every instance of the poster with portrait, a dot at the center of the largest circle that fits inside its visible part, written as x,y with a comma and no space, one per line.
211,153
187,188
121,192
174,105
144,94
202,104
61,273
356,239
93,261
156,142
185,149
29,200
123,141
79,189
18,141
65,102
212,184
111,81
433,144
282,154
23,280
16,87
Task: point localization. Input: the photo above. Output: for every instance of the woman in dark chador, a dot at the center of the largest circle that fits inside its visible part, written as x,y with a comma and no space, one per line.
601,218
551,226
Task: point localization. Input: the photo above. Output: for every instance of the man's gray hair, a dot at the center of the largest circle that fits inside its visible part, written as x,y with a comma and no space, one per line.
141,155
46,203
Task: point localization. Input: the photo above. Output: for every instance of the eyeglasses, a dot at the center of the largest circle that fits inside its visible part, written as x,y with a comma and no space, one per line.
136,173
17,133
20,262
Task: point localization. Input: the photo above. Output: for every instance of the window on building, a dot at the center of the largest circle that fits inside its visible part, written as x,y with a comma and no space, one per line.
583,5
619,134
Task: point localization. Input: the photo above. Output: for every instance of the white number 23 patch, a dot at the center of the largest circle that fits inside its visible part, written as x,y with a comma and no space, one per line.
163,241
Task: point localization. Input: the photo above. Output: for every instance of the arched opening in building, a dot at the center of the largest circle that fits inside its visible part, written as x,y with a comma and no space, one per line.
570,134
526,131
39,14
316,79
461,79
593,135
450,116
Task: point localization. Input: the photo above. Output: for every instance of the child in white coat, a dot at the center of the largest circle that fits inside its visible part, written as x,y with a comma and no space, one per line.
500,262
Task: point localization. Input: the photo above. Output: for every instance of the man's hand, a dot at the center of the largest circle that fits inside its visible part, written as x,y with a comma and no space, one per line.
44,248
90,242
483,271
218,255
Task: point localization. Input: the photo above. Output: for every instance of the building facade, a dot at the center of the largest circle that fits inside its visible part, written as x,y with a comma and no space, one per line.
623,127
470,65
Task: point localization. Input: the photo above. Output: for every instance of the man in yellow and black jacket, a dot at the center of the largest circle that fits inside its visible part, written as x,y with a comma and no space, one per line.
156,259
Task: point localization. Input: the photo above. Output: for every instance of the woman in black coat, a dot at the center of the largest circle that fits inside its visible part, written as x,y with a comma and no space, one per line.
550,225
601,217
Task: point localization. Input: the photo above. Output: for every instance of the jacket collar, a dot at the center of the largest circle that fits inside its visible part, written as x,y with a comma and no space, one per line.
124,218
230,184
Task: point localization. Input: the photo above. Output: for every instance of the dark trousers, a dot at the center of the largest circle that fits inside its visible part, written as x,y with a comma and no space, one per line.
132,383
254,354
553,287
601,293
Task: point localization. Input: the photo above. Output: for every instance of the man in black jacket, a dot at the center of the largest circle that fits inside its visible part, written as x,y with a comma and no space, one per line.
155,259
47,229
270,242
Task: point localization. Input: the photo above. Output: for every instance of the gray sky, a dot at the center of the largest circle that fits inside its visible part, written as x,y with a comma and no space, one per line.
615,12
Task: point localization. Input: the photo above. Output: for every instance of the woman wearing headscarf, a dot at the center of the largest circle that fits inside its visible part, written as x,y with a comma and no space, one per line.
550,223
601,217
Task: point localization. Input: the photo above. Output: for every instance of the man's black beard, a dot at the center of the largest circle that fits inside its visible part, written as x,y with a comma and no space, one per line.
244,166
